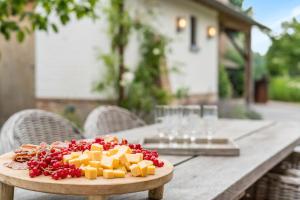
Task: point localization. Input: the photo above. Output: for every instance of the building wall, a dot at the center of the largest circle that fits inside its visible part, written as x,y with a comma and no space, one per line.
16,76
67,64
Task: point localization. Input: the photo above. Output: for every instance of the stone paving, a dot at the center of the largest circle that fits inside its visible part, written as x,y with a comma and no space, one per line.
278,111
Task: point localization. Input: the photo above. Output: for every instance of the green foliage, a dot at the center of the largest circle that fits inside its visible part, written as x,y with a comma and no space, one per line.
238,3
285,89
120,26
260,67
283,55
225,88
236,76
145,91
14,12
235,110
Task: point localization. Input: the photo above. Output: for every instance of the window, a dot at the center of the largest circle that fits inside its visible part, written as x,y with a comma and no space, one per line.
194,45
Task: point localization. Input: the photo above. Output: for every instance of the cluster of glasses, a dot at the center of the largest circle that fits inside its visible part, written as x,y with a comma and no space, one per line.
185,122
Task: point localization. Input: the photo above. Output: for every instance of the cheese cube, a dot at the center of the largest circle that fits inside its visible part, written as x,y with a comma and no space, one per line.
96,147
76,154
119,173
90,172
82,167
84,159
109,162
135,170
108,173
123,168
124,149
143,166
124,161
95,155
75,162
86,152
146,162
96,164
112,152
66,158
100,171
134,158
151,170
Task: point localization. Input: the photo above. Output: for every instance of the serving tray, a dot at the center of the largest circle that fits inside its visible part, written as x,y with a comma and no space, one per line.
98,189
201,146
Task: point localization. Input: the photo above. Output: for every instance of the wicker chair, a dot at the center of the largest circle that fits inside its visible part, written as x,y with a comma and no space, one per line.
282,183
35,126
109,119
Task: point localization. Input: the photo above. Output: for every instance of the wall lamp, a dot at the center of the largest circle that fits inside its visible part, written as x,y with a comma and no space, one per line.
180,24
211,32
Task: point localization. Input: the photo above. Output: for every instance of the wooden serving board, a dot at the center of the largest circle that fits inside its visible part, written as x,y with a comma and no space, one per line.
99,188
201,146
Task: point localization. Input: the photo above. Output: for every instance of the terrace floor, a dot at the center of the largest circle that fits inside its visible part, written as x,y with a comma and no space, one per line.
278,111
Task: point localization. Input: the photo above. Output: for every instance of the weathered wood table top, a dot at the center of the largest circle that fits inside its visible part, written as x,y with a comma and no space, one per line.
263,144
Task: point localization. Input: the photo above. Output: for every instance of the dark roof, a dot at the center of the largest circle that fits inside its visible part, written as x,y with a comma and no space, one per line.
232,11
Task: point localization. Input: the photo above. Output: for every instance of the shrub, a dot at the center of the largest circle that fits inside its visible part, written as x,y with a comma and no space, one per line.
285,89
225,88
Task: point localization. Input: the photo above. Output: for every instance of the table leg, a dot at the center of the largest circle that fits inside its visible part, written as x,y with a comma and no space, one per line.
6,192
97,198
156,193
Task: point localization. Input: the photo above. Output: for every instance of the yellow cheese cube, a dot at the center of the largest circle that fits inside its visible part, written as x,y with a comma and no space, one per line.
146,162
105,153
134,158
95,155
119,173
124,161
112,152
124,149
108,173
109,162
96,147
90,172
66,158
151,170
135,170
82,167
75,162
143,166
123,168
86,152
96,164
76,154
100,171
84,159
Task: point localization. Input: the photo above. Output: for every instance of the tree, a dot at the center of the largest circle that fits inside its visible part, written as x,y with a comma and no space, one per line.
38,12
283,55
238,3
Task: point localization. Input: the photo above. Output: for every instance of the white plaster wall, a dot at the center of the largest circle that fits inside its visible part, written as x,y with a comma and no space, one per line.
67,66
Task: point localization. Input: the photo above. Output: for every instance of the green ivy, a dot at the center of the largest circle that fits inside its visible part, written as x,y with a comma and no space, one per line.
145,90
14,12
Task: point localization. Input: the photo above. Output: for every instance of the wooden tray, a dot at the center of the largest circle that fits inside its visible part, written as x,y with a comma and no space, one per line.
99,188
180,146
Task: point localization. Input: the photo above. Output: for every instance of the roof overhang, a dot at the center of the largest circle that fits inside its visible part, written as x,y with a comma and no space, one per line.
228,12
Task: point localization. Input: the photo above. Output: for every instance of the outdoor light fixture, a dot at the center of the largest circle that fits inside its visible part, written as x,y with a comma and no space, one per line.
211,32
180,24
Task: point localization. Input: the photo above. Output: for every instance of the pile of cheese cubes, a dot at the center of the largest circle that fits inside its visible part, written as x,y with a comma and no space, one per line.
114,163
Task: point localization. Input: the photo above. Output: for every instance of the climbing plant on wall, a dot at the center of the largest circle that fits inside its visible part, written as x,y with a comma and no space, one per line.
137,90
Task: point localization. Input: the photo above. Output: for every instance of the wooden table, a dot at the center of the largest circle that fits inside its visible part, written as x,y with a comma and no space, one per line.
263,144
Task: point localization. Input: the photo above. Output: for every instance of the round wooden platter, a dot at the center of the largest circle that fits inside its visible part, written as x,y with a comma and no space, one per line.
95,189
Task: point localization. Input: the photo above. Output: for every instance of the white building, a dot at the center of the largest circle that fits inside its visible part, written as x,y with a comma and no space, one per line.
66,64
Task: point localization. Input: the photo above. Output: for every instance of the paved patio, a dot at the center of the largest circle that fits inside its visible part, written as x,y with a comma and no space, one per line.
278,111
